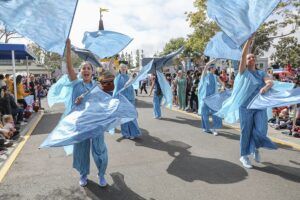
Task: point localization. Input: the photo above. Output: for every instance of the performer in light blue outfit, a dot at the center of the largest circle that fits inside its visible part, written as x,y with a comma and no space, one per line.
253,122
81,152
129,130
208,86
157,96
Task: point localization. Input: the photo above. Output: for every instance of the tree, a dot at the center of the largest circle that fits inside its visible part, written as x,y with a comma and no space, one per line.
287,51
6,34
288,12
52,60
204,29
173,45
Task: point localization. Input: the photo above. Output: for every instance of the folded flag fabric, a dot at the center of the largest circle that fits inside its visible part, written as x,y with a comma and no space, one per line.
105,43
166,89
275,98
97,113
215,101
46,23
221,46
87,56
240,19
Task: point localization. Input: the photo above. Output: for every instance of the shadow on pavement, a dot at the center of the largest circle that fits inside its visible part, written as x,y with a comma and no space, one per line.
286,172
118,190
47,124
143,104
191,168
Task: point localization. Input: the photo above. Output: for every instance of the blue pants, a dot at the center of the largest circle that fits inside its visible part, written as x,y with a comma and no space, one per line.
81,155
130,129
254,128
156,105
205,112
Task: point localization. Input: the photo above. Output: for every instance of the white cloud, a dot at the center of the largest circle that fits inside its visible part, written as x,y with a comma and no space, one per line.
150,22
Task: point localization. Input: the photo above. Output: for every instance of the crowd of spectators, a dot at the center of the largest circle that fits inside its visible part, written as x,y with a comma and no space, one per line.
15,110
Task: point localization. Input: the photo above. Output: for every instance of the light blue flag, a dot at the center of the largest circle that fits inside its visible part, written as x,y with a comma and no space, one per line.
61,92
166,89
221,46
275,98
159,63
105,43
240,19
97,113
215,101
46,23
282,86
141,76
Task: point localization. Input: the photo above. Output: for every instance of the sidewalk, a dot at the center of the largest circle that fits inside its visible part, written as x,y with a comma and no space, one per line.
9,156
275,135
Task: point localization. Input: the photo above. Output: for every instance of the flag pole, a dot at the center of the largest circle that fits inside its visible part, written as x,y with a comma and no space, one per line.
71,25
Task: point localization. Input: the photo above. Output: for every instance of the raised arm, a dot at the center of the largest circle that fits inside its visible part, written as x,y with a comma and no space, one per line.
245,51
206,67
71,71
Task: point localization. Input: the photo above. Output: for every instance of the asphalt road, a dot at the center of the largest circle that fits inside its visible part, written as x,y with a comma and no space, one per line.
173,159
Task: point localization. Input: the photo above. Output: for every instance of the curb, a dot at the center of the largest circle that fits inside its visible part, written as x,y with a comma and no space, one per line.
275,140
28,130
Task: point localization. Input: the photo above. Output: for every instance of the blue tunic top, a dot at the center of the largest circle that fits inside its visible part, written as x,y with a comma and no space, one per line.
259,76
211,85
79,87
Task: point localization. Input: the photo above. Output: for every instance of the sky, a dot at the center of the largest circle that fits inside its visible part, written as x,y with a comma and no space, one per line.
151,23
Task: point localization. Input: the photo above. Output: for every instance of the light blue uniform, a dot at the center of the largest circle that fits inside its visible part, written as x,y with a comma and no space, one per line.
209,88
81,152
254,123
129,129
157,99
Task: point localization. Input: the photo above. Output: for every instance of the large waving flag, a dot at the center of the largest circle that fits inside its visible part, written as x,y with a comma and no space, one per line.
47,23
97,113
221,46
275,98
105,43
216,101
239,19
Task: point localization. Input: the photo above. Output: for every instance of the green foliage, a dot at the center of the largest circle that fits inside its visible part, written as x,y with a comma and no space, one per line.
204,29
287,51
173,45
287,12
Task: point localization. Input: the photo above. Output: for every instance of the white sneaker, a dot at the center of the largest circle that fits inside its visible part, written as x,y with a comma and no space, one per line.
23,123
246,162
256,156
83,181
215,133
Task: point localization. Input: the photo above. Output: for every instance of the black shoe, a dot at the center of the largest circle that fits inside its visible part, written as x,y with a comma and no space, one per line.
8,144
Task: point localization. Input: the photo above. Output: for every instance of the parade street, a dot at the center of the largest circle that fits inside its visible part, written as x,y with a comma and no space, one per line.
173,159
